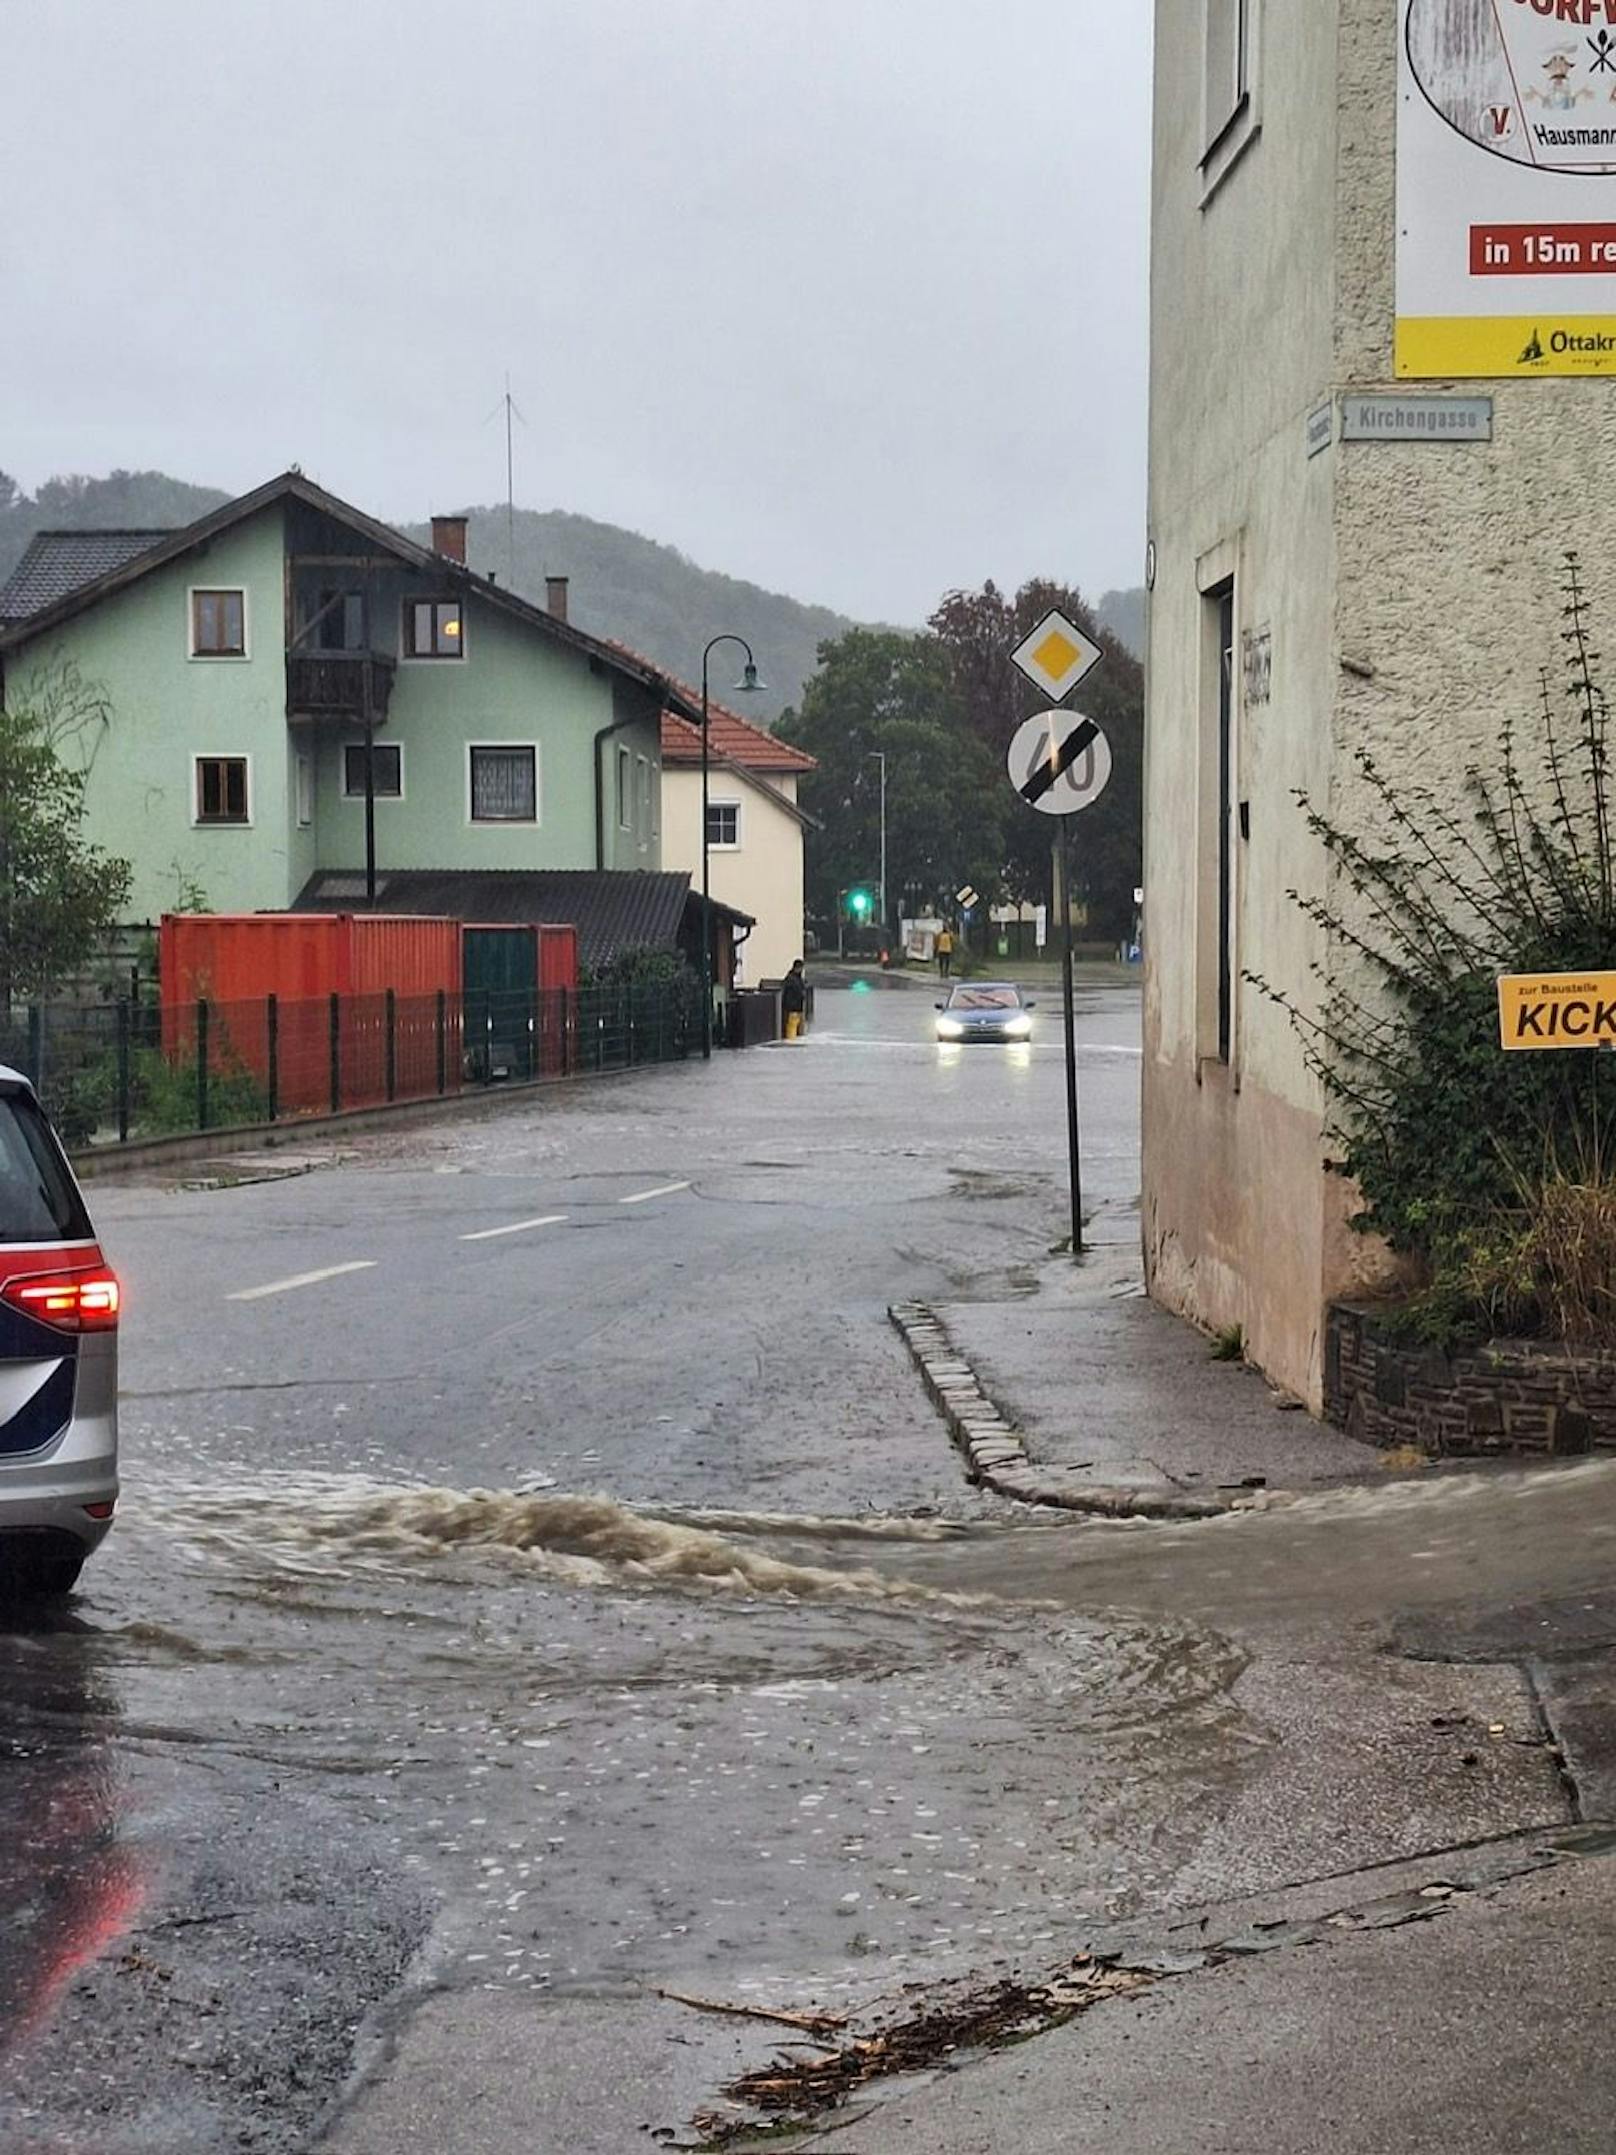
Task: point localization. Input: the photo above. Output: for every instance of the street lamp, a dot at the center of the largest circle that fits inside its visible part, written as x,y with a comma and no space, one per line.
876,755
747,685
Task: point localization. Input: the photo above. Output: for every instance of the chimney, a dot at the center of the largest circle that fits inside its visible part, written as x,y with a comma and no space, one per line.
555,596
449,537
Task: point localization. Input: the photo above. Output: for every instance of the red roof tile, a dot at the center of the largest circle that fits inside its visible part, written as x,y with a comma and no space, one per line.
736,738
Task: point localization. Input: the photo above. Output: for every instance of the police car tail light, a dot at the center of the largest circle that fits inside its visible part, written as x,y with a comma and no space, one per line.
81,1301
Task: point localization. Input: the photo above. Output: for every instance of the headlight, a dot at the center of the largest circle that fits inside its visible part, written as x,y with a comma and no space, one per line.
949,1029
1018,1028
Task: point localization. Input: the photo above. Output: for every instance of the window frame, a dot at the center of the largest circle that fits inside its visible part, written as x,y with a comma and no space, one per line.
733,807
625,788
1231,118
201,822
1222,599
642,799
408,655
503,823
194,653
349,748
303,787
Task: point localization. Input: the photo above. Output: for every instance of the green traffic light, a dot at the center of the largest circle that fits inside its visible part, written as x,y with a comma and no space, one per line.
858,903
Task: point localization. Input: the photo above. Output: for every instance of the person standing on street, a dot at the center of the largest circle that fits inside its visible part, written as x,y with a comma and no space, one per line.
793,1000
945,952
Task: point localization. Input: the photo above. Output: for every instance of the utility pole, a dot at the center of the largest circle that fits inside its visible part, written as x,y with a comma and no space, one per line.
877,756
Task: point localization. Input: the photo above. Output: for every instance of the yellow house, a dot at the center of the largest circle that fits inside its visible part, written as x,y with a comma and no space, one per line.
755,830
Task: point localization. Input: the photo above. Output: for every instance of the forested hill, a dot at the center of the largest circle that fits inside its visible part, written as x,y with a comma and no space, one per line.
633,589
124,501
653,598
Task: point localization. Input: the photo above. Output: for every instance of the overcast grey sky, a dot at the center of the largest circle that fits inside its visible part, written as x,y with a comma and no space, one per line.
845,296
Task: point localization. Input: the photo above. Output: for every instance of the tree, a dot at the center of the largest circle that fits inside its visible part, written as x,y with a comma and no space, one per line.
59,895
977,631
877,689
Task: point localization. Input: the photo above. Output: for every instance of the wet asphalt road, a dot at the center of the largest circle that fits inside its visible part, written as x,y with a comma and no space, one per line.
341,1792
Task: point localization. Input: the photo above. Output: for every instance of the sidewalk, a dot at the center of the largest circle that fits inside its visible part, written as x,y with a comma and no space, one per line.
1110,1392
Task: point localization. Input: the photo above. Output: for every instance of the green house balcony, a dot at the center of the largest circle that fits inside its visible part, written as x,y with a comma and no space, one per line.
346,685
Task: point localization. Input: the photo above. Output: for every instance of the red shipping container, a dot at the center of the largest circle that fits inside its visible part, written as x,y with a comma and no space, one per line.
558,957
235,962
558,999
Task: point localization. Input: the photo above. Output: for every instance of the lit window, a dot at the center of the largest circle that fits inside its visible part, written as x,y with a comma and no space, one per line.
218,624
723,823
388,765
221,789
433,628
504,785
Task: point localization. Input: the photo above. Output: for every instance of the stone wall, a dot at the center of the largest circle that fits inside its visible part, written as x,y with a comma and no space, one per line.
1506,1396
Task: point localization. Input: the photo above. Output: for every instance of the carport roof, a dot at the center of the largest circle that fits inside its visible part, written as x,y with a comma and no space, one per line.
612,909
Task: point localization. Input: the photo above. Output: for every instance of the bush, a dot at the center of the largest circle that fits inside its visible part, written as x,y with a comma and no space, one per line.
1492,1172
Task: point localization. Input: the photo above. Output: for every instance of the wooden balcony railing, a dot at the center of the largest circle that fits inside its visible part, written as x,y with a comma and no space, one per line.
339,684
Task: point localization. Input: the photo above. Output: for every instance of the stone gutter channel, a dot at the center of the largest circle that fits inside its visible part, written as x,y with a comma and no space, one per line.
995,1452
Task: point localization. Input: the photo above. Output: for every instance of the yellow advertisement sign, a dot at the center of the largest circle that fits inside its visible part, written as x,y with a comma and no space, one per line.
1446,348
1557,1010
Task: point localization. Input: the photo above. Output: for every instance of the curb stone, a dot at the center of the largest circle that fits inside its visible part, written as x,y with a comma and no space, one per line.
996,1454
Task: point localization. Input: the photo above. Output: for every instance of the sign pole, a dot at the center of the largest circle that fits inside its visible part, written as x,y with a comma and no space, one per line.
1059,762
1074,1149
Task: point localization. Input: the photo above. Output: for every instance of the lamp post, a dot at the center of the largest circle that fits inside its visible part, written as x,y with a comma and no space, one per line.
876,755
747,685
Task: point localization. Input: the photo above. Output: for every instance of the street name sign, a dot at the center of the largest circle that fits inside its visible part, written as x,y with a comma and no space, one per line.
1056,656
1557,1010
1059,762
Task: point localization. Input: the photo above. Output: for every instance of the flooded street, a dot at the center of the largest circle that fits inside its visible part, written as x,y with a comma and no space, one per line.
449,1676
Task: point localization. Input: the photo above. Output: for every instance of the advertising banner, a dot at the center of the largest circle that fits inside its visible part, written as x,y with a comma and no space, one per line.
1506,188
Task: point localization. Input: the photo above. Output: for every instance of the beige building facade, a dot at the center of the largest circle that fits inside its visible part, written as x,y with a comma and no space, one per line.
755,849
1310,595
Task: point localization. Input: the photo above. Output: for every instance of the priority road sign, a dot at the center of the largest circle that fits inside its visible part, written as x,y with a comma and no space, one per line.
1059,762
1557,1010
1057,655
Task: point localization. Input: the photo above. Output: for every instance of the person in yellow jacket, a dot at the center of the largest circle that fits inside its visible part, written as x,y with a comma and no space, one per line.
945,952
793,1000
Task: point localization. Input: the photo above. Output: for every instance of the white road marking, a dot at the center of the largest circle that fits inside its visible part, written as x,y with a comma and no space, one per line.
302,1279
664,1189
517,1227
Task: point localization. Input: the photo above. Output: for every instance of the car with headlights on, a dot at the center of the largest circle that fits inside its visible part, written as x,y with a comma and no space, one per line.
985,1010
58,1359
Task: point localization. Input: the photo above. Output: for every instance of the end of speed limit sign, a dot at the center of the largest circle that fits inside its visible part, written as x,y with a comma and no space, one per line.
1059,762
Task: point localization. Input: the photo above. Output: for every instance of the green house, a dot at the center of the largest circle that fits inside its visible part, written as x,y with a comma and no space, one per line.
240,681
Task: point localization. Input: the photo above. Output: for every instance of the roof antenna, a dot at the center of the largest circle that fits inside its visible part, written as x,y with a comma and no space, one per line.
512,410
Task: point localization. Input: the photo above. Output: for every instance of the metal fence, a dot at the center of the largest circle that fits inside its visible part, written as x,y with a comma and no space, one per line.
113,1072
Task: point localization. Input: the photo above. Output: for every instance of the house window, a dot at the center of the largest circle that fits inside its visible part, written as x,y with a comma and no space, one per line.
625,796
305,791
339,621
387,760
218,624
433,628
221,789
724,824
505,785
642,806
1229,102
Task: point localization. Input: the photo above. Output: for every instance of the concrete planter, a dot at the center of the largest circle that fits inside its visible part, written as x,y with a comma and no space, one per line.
1508,1395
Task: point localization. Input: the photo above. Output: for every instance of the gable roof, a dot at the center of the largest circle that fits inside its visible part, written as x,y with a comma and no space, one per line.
613,909
55,564
293,486
687,756
734,738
